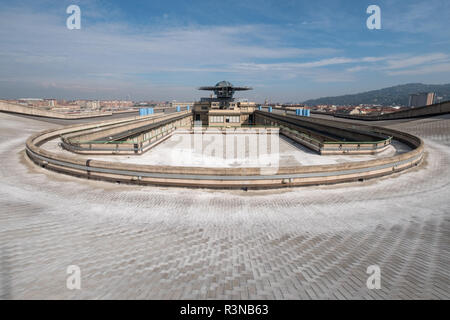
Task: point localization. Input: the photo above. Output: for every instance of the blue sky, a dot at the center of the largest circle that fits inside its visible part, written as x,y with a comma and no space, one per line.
163,50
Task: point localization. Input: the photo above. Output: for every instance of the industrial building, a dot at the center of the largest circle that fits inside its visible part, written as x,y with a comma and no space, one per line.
421,99
223,110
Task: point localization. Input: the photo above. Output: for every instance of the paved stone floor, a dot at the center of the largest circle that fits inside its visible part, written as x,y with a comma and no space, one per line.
171,243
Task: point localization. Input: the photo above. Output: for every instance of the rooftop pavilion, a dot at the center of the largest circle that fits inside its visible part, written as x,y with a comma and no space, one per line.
223,110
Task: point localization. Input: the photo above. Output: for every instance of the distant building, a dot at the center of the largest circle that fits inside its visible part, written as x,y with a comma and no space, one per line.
223,110
51,102
116,104
421,99
357,111
181,104
293,106
88,104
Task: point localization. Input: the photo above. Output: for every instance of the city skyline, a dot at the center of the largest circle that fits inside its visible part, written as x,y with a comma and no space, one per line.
289,51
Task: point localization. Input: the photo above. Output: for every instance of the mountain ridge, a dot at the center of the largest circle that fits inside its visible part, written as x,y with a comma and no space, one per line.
395,95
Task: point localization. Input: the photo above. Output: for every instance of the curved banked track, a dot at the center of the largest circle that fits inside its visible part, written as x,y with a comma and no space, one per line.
222,177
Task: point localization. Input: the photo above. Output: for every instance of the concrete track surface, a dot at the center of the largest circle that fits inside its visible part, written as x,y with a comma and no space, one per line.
172,243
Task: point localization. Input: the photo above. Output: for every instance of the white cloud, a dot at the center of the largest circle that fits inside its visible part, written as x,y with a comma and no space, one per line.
358,68
110,57
289,66
39,39
416,60
38,47
437,68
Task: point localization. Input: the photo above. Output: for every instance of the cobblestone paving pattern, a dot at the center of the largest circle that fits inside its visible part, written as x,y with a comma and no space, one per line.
136,242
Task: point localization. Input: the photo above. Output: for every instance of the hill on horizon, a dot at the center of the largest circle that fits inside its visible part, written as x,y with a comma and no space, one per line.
396,95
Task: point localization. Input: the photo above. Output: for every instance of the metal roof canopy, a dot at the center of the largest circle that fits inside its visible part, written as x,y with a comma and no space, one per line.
225,90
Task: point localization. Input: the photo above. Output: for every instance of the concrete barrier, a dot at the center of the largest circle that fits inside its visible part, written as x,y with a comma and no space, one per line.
148,132
250,177
92,135
327,136
426,111
15,108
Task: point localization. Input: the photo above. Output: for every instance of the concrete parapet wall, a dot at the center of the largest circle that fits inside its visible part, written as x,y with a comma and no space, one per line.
426,111
124,127
325,127
15,108
158,128
223,177
314,134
